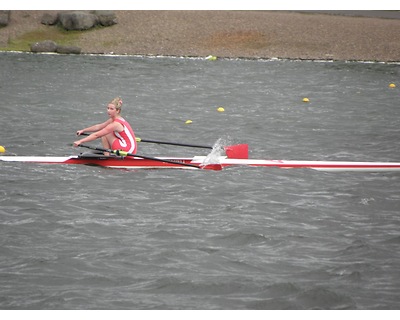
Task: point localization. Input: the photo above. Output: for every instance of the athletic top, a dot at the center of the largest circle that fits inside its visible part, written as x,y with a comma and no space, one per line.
126,139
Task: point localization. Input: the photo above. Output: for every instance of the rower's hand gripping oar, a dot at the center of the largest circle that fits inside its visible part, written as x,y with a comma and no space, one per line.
127,154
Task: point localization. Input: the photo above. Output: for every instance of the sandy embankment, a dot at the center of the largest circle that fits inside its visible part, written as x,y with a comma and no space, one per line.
250,34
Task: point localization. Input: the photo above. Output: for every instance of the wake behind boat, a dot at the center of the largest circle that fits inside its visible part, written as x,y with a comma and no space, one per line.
236,156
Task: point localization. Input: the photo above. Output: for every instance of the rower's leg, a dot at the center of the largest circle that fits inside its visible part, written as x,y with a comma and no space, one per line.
107,142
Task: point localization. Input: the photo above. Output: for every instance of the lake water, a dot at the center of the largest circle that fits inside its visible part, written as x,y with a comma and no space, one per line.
79,237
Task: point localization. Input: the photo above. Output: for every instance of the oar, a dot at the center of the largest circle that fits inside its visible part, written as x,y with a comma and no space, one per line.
239,151
125,154
165,142
174,143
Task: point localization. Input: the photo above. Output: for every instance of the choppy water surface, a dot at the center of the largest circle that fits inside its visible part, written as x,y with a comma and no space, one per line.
242,238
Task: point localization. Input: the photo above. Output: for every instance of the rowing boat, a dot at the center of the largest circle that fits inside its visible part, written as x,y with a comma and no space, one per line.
118,162
232,159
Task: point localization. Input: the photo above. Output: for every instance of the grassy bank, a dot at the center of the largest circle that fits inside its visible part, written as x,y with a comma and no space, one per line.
57,34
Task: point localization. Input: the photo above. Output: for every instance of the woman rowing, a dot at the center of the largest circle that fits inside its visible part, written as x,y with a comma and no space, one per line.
115,133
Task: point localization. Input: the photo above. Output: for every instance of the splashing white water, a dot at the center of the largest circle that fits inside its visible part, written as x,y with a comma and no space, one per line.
216,152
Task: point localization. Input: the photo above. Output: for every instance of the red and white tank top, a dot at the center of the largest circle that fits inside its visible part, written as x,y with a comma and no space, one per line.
126,139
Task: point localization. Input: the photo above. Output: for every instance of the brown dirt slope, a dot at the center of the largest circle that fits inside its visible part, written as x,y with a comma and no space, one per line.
250,34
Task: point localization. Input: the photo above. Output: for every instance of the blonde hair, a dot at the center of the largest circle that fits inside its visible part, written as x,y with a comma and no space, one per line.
117,102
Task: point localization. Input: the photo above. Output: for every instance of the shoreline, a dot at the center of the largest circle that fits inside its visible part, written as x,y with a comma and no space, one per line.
232,34
149,56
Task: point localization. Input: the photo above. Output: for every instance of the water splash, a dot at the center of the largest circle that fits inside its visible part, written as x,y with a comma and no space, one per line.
216,152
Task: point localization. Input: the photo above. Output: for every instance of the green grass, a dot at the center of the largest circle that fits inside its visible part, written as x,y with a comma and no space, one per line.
56,34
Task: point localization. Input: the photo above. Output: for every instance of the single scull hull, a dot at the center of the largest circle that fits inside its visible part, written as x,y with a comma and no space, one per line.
109,162
316,165
222,162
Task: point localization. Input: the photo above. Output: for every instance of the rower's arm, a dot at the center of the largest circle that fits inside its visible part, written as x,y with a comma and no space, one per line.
114,126
97,127
97,134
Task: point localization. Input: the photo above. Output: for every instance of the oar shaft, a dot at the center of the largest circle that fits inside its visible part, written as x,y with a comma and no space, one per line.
166,142
175,144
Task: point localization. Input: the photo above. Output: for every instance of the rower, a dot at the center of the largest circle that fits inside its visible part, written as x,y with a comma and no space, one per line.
116,133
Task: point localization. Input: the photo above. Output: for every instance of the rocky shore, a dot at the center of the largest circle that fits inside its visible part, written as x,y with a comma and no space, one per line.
245,34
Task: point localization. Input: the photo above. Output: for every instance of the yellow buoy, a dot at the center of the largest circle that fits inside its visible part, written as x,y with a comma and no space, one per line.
211,58
220,109
392,85
188,121
2,149
306,100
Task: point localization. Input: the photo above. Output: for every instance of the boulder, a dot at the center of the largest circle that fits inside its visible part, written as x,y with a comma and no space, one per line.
44,46
77,20
106,18
49,19
68,50
4,18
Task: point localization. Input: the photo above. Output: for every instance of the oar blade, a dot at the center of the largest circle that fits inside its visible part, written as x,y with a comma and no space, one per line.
238,151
